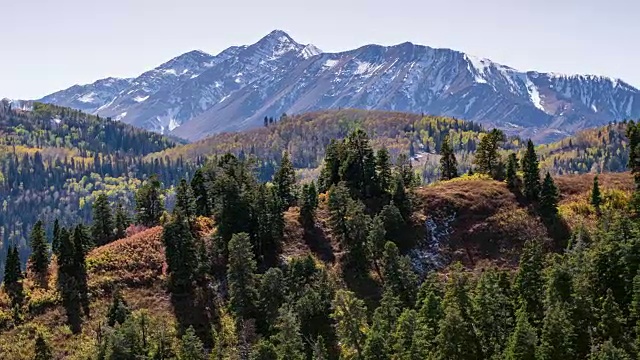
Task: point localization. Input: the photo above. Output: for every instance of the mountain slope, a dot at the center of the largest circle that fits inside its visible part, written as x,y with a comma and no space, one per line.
196,94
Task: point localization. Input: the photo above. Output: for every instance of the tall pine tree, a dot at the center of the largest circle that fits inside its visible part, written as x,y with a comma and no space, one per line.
531,173
39,259
448,162
103,227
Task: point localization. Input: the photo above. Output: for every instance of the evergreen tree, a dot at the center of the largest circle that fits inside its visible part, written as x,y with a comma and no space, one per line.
350,316
404,336
383,169
448,162
456,339
402,200
512,172
376,242
13,276
399,278
529,282
241,276
319,350
285,181
308,207
42,349
379,343
531,173
548,198
39,259
185,201
149,202
201,193
55,241
608,351
338,204
69,278
271,297
122,221
81,243
333,158
611,324
118,310
355,239
522,342
596,197
264,350
557,340
190,347
358,169
487,159
103,226
180,252
429,315
289,345
492,314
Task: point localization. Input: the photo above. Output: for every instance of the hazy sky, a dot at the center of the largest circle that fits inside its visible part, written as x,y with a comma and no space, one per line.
50,45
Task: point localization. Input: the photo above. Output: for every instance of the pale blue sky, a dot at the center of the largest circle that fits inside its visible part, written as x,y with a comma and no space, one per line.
50,45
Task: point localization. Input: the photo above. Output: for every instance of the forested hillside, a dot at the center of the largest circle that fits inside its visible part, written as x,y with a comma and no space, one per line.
55,161
307,136
509,262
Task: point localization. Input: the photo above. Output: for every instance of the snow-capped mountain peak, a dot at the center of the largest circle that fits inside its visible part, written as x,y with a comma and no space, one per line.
196,94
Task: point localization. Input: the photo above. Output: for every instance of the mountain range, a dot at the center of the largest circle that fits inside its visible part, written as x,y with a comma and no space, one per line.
197,94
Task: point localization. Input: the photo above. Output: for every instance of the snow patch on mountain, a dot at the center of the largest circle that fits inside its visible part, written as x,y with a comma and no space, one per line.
140,99
88,98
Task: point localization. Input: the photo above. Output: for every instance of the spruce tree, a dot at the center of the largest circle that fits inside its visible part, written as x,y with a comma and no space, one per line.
596,197
80,248
522,342
358,169
379,343
241,276
103,227
492,314
608,351
402,200
557,339
42,349
180,252
264,350
289,345
13,276
190,347
350,316
355,240
271,295
448,162
55,241
201,193
285,180
399,278
68,286
376,241
531,173
383,169
429,315
548,198
118,310
149,202
319,350
456,339
122,221
308,207
185,201
611,325
529,283
404,336
333,158
338,203
512,172
39,259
